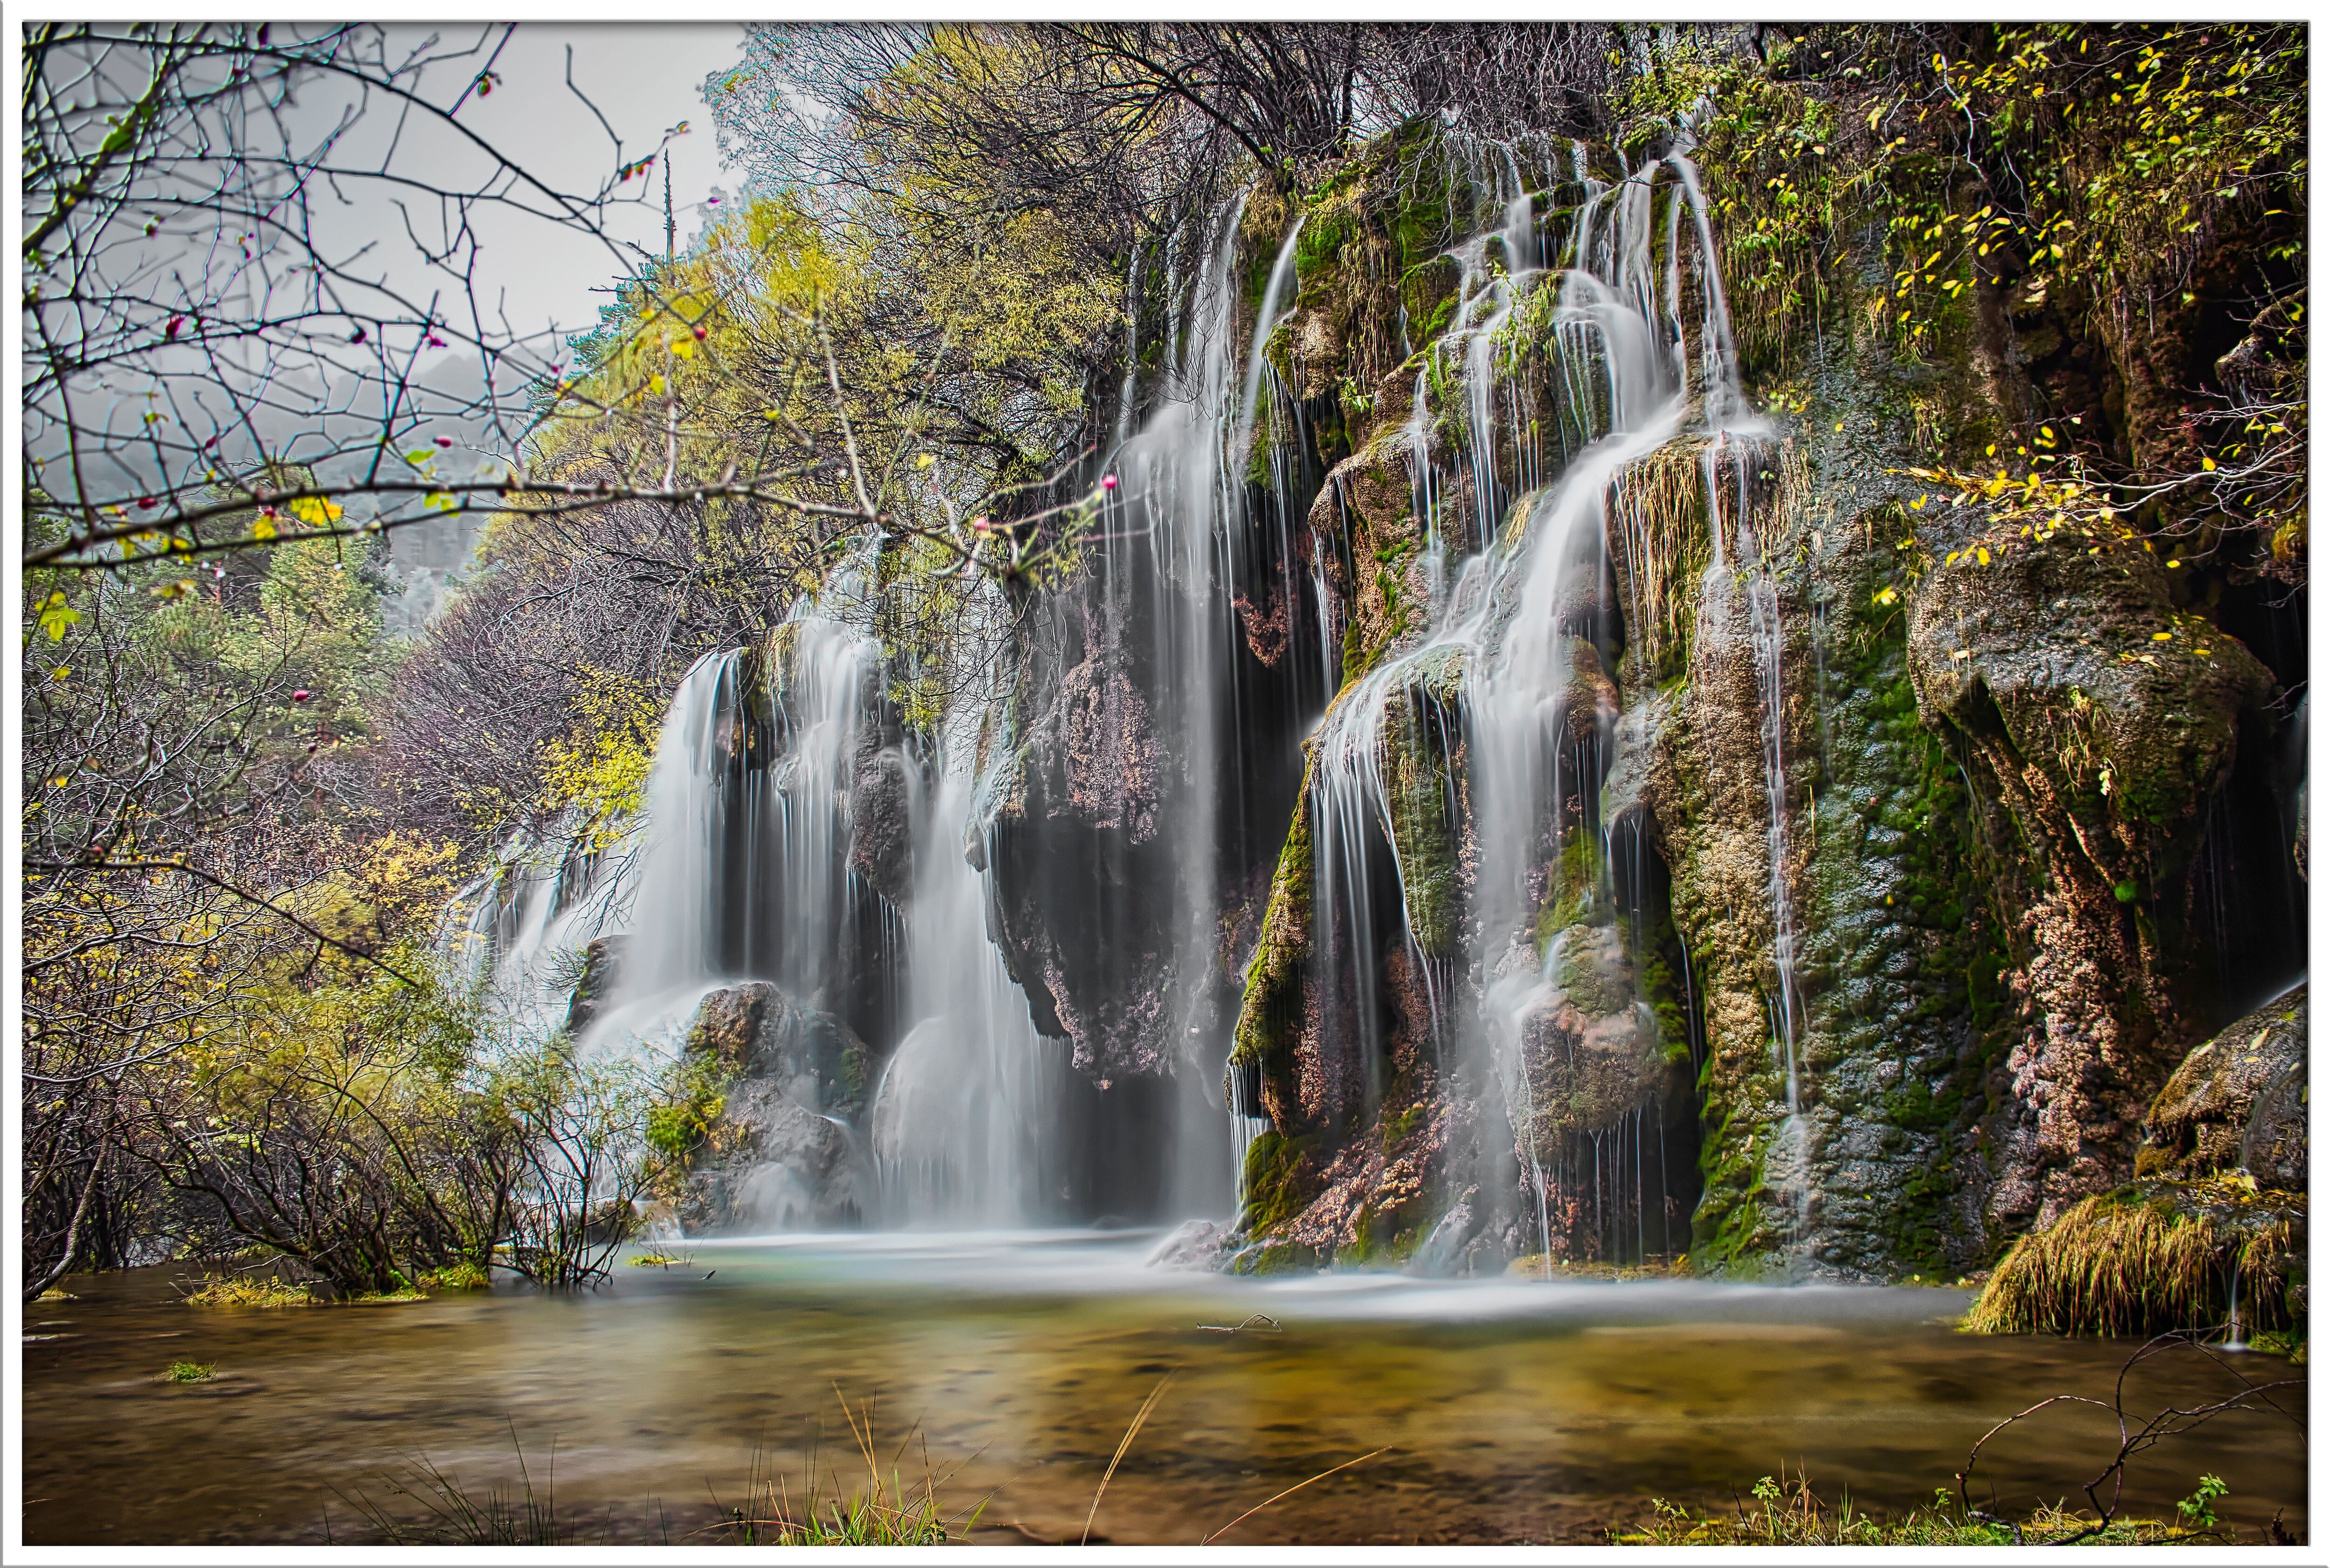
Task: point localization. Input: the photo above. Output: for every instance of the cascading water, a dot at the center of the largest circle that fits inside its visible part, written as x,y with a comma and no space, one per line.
519,930
1204,591
1513,664
968,1107
1450,784
744,868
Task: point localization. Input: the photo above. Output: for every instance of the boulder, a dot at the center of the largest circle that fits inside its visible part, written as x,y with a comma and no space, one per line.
2237,1103
756,1031
777,1152
778,1167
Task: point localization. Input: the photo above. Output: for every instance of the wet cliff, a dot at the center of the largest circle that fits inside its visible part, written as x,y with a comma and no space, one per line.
1682,693
1768,807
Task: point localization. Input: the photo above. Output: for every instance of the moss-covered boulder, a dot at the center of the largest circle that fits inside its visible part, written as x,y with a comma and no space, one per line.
2238,1103
1589,1045
762,1130
756,1031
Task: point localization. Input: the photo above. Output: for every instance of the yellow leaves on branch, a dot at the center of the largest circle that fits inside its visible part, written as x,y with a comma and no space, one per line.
2031,508
600,766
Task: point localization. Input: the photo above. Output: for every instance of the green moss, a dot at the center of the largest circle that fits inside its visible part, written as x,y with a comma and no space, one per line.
1324,235
1418,781
1399,1129
1576,891
1282,1179
1727,1230
1270,1013
1274,1258
1384,1237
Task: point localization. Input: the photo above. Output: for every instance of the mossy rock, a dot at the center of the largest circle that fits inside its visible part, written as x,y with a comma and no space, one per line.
2082,664
1282,1178
2237,1103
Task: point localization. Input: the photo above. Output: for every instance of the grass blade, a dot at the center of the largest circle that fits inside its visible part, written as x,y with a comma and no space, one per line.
1129,1433
1258,1507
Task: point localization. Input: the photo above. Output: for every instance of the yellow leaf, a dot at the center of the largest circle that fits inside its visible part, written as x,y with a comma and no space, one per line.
316,510
1982,555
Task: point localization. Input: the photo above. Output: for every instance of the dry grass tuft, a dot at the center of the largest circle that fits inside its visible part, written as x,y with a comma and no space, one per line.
249,1291
1658,513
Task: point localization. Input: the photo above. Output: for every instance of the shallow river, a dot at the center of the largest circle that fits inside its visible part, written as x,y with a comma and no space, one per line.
1009,1368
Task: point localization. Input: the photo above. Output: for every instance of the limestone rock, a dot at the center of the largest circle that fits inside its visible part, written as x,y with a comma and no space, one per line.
756,1031
2237,1103
778,1154
780,1167
601,961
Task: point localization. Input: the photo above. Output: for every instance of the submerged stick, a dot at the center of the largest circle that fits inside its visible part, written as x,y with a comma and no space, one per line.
1129,1433
1259,1322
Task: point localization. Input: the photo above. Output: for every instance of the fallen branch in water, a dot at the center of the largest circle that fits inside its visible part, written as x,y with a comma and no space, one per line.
2174,1420
1260,1323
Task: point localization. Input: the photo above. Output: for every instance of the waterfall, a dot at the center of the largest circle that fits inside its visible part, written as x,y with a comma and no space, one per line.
1463,903
517,930
1266,318
969,1105
744,870
1516,649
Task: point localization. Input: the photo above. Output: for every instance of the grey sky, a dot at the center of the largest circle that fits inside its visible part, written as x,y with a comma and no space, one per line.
643,77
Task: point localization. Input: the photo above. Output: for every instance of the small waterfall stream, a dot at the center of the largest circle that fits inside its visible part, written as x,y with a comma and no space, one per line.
967,1108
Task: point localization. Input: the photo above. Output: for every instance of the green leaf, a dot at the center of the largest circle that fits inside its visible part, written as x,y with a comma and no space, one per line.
57,616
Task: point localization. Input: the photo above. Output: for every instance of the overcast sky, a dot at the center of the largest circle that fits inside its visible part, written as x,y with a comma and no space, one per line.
644,78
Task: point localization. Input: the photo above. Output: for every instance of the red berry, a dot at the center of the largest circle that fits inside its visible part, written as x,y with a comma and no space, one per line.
300,696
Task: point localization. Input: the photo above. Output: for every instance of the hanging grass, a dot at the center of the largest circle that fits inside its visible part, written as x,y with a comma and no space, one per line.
2150,1260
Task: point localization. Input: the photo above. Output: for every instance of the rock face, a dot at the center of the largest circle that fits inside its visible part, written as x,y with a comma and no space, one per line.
2099,720
780,1153
601,961
2237,1103
1913,827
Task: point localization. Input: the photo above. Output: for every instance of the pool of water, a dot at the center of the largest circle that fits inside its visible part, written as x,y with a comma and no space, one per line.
1009,1367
